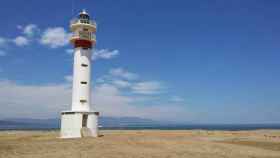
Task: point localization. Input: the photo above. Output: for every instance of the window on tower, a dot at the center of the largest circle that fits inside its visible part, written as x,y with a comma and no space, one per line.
84,65
85,21
83,82
84,16
83,101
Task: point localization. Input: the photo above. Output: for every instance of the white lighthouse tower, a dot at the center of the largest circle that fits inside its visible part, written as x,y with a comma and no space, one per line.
81,120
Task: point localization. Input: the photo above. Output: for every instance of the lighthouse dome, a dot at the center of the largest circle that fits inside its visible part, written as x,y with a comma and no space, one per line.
84,15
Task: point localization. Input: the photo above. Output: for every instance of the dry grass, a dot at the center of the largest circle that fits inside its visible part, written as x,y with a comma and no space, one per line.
264,145
143,144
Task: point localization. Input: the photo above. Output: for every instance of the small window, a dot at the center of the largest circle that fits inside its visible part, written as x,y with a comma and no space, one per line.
85,29
84,65
83,101
83,82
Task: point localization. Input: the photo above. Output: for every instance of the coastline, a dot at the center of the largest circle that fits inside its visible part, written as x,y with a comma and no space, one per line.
211,127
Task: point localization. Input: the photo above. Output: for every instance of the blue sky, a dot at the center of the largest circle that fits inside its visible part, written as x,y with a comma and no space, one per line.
187,61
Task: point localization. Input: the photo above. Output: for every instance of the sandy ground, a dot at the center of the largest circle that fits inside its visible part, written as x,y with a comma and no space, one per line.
143,144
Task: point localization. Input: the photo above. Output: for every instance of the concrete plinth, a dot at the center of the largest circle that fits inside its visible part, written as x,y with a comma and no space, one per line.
74,124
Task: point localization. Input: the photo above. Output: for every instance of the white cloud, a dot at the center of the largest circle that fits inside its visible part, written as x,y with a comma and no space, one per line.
31,101
68,78
30,30
21,41
3,41
149,87
46,101
19,27
101,80
121,83
55,37
176,99
122,78
99,54
2,53
120,72
69,51
110,102
104,54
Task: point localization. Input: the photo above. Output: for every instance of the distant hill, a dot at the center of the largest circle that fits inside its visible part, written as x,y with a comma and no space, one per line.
126,122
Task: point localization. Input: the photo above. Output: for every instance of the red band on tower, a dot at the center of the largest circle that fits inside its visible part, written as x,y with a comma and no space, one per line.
83,43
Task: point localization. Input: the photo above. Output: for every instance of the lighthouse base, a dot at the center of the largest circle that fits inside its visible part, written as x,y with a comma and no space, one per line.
77,124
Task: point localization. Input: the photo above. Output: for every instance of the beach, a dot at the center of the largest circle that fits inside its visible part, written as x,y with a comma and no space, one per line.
143,144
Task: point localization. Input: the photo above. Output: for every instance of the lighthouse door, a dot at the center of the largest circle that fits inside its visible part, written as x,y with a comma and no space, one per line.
84,121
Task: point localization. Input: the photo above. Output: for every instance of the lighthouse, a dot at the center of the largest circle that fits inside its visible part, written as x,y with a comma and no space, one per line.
81,120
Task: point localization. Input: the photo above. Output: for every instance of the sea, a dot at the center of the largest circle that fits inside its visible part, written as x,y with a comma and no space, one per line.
227,127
